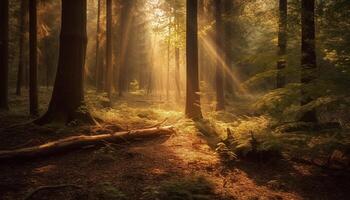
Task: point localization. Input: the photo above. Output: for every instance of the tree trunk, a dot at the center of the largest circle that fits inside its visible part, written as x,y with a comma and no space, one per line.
4,37
228,12
308,58
220,98
67,102
75,142
282,43
26,74
150,83
98,70
168,64
125,23
109,74
33,59
177,73
193,106
20,72
201,52
47,58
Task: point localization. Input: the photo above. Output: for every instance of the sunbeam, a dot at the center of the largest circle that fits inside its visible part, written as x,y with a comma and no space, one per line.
210,47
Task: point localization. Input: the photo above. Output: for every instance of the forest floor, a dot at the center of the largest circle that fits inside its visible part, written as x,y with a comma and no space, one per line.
182,166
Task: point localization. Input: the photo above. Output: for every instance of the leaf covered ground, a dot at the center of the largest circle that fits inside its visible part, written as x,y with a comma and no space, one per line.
186,165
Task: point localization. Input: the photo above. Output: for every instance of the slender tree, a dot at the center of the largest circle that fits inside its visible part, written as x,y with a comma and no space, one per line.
177,52
177,72
20,72
125,23
33,60
67,102
168,64
282,43
4,28
220,98
193,106
201,51
308,56
228,14
109,74
98,77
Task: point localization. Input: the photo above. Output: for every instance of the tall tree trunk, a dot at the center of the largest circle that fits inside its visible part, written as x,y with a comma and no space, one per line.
220,98
177,54
47,60
33,59
47,74
109,74
4,37
67,102
150,86
26,74
228,27
168,65
193,106
282,43
98,70
20,72
201,50
308,58
177,73
125,23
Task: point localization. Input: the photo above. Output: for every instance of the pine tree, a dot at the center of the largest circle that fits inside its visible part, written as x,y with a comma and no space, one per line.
33,60
282,43
67,102
220,98
98,70
193,106
20,72
308,58
109,74
4,38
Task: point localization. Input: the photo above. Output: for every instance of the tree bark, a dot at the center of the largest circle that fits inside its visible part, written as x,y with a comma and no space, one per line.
67,102
20,72
193,106
4,38
98,77
125,23
282,43
177,73
109,74
168,64
75,142
308,56
220,65
228,13
201,51
33,59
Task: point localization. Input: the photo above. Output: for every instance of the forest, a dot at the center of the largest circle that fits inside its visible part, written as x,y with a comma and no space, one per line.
174,99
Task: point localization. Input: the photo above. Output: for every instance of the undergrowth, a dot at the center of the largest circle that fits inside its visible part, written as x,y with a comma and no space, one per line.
259,137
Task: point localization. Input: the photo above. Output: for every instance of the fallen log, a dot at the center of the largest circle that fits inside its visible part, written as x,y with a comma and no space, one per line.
75,142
